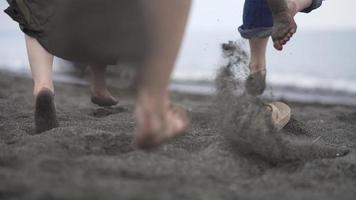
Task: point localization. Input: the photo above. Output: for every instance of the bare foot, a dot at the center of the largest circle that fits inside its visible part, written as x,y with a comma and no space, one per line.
103,98
45,111
100,94
284,26
154,129
256,82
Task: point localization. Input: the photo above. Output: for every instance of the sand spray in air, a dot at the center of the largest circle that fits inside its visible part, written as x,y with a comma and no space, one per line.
246,122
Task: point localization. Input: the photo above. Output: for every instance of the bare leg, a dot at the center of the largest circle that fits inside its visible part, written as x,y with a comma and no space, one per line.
41,66
157,121
283,14
256,82
258,54
100,94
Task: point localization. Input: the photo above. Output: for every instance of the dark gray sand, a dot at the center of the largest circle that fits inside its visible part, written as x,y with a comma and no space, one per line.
89,155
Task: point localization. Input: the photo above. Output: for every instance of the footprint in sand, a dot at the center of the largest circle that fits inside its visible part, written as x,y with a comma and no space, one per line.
10,160
106,111
347,118
296,127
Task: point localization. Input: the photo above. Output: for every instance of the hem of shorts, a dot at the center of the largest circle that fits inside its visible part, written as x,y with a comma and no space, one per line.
261,32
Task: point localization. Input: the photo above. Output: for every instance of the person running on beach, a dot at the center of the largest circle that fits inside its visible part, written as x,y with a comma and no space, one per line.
261,19
248,124
163,22
259,23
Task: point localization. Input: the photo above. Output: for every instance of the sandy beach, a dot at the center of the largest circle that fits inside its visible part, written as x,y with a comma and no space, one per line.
89,155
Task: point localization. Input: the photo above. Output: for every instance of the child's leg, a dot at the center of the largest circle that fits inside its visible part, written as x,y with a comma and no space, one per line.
41,66
258,54
157,120
256,82
100,94
257,27
41,63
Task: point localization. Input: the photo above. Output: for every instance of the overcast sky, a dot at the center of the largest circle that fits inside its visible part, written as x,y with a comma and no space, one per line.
226,14
334,14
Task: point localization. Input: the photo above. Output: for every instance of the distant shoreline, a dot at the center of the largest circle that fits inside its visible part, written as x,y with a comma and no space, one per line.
278,92
206,88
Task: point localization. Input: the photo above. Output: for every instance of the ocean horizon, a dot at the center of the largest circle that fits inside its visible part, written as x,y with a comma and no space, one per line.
312,61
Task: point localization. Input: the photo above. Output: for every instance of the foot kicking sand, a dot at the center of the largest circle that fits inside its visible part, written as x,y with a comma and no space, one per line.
253,131
154,129
253,126
284,24
104,99
45,111
256,82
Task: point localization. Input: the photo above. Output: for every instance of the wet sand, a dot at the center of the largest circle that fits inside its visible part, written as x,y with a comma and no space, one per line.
89,155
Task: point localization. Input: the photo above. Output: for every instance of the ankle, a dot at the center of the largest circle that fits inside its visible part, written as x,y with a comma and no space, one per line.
257,67
297,6
98,89
147,115
39,88
294,7
149,102
97,83
146,101
277,6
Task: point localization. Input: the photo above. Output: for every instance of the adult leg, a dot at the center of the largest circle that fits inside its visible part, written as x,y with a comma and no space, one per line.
100,94
41,67
157,120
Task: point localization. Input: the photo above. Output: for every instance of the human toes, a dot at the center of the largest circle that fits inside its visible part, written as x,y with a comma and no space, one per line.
277,45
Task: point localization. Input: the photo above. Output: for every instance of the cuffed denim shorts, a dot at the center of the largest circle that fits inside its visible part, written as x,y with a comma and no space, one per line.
258,21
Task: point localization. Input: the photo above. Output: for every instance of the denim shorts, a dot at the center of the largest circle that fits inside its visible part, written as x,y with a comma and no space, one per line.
258,21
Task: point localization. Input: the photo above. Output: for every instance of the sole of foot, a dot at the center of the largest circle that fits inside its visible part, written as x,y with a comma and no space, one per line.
45,111
283,30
